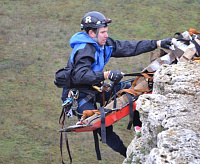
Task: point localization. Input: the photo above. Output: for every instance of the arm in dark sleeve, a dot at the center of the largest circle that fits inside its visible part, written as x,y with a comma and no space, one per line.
131,48
82,73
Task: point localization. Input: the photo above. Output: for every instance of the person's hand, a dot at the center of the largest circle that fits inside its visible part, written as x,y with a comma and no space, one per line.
115,75
165,43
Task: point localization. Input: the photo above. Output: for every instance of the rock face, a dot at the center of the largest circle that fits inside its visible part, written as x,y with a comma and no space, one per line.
170,116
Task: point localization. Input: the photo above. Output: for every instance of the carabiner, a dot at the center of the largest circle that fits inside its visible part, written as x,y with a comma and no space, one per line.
73,94
76,95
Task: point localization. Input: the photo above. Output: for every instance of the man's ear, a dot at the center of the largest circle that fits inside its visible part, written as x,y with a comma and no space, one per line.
91,34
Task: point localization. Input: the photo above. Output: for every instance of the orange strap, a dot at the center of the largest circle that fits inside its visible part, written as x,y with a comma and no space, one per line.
88,113
196,58
134,91
193,31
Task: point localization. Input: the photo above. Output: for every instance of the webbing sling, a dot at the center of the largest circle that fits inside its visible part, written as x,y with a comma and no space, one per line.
180,37
103,127
103,134
196,46
67,145
103,131
133,92
63,114
96,142
115,97
187,42
132,89
131,113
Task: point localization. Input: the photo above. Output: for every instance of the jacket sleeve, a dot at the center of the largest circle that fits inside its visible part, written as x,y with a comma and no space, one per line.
82,73
131,48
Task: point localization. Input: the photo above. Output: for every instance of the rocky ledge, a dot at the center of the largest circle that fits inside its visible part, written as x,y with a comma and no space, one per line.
170,117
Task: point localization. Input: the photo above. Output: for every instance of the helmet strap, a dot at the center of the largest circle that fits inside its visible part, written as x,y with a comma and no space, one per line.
97,33
96,38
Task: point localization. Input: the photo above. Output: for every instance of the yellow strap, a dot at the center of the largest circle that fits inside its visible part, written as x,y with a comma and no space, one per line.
198,61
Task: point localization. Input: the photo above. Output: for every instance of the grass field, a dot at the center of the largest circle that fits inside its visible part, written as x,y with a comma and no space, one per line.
34,43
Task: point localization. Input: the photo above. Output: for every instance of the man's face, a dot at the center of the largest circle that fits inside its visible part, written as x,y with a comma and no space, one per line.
102,35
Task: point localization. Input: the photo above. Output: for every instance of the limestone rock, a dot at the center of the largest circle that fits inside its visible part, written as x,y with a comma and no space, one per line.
170,117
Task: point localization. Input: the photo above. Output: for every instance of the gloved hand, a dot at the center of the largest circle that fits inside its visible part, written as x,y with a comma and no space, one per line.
115,76
165,43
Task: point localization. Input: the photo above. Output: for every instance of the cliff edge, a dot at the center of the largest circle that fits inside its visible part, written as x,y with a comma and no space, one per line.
170,116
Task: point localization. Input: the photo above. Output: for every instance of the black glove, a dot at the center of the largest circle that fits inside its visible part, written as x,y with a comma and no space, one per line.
115,76
166,43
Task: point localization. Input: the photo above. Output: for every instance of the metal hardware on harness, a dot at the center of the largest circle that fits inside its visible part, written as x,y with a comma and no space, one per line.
73,93
67,102
71,103
97,88
105,87
70,113
74,106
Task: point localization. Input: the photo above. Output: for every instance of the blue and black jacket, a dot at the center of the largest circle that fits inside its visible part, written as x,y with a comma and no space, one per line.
88,58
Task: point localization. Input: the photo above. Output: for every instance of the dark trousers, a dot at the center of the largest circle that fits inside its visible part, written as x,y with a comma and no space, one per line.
112,139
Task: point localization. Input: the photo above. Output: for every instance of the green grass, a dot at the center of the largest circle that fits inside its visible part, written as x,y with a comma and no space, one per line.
34,43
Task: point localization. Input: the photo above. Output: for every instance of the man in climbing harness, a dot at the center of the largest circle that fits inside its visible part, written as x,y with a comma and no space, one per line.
92,49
